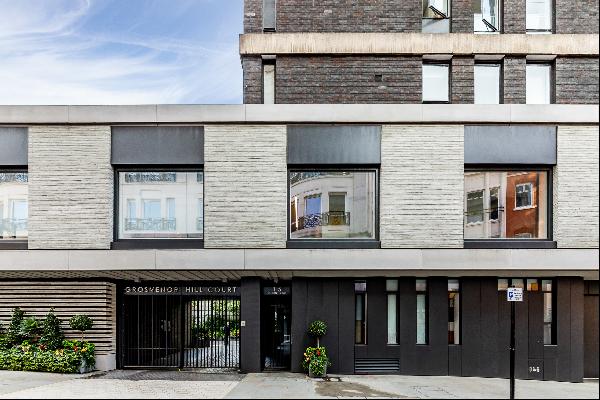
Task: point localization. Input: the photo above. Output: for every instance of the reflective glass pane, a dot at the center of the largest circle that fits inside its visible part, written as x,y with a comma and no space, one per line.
532,285
518,283
537,84
436,8
506,205
421,319
360,286
14,206
391,285
421,285
486,16
169,205
487,84
435,82
502,284
547,285
392,334
332,204
538,15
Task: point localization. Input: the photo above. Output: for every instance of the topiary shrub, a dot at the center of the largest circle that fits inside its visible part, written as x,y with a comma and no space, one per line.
317,329
52,335
81,323
13,333
30,329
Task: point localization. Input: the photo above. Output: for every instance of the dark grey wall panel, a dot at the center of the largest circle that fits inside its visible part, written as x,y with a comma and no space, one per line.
156,145
536,325
577,340
510,144
433,359
299,337
13,146
471,325
563,329
521,337
250,360
455,360
488,363
503,336
334,144
590,354
408,326
346,326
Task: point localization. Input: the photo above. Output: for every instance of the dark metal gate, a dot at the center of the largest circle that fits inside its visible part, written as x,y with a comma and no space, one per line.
181,327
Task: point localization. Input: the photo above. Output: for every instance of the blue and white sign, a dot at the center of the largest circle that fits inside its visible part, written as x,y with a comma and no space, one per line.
514,294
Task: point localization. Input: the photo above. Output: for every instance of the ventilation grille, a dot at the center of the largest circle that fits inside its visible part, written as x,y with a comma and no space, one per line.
367,365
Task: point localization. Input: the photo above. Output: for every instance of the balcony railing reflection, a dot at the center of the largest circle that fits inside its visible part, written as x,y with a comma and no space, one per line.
479,215
150,224
199,224
322,219
10,226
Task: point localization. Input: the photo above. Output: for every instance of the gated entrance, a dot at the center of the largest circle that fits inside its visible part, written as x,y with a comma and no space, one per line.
182,326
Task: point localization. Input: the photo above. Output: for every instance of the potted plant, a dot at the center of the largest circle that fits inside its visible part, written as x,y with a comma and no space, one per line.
82,323
317,329
315,360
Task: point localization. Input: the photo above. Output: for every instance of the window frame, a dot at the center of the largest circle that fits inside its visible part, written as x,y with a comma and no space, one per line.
552,78
516,243
500,21
460,313
553,324
363,294
159,243
426,294
268,62
351,243
552,21
16,244
445,63
500,64
395,293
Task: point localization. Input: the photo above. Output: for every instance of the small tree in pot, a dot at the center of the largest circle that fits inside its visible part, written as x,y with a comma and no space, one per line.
81,323
315,360
317,329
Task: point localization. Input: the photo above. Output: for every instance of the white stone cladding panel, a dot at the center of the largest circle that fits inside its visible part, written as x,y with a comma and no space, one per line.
245,186
422,186
575,192
71,185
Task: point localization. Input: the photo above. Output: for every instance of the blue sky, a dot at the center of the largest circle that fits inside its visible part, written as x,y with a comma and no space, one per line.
120,51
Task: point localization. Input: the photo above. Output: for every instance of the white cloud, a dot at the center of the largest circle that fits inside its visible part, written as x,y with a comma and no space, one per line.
47,58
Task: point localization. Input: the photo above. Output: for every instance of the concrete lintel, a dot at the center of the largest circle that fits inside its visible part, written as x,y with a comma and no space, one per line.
418,44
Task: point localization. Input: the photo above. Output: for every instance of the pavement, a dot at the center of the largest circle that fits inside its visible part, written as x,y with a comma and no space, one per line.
193,384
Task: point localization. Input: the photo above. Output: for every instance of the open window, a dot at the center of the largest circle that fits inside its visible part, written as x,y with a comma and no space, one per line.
486,16
436,16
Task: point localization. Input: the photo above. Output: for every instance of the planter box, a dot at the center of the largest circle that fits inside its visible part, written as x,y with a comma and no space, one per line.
84,368
312,375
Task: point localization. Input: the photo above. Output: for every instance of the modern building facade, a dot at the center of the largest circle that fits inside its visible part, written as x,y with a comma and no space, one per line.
211,236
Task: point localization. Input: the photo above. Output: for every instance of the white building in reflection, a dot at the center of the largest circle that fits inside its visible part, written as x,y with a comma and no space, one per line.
13,205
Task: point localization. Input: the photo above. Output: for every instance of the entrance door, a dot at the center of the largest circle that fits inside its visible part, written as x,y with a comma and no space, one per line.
276,332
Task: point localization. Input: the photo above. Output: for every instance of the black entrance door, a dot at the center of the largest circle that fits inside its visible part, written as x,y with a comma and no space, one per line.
276,332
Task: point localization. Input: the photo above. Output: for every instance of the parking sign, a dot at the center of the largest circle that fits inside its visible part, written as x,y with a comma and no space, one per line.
514,294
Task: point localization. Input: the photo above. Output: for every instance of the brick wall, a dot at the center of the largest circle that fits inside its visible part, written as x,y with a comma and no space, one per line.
462,16
576,80
462,90
514,16
245,186
575,209
348,79
422,185
253,16
576,16
70,187
514,80
252,70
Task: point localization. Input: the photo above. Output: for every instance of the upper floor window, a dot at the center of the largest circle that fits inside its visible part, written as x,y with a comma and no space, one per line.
332,204
269,15
506,204
538,16
436,83
14,212
487,83
269,82
537,84
486,16
160,204
436,16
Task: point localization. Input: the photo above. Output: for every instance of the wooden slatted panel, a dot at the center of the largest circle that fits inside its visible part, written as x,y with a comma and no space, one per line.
96,299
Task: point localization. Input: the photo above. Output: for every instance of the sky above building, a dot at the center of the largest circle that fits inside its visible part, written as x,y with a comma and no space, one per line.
120,51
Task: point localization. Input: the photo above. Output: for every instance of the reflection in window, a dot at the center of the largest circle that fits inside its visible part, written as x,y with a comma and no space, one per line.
170,205
537,84
538,16
453,311
436,16
506,205
14,213
486,16
391,287
549,328
435,83
332,204
421,289
360,312
487,83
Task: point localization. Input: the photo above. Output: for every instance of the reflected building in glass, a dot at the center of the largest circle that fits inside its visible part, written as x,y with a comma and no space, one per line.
13,205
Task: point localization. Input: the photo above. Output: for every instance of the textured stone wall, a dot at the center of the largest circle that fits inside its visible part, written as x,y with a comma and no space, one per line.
253,16
422,184
514,80
575,191
348,79
576,80
461,16
70,187
514,16
245,186
252,70
579,16
462,90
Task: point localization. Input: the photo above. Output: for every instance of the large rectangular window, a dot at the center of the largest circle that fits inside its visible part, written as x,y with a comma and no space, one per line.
160,204
538,16
506,205
538,81
360,312
436,16
422,317
391,287
487,83
453,311
436,83
14,213
332,204
486,16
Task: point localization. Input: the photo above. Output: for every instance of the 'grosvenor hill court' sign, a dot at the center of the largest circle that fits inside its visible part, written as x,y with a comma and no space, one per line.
144,290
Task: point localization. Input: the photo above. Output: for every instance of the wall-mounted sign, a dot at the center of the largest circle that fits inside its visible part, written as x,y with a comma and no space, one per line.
145,290
536,369
276,290
514,294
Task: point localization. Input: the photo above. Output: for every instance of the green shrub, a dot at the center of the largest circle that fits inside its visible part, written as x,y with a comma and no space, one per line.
52,335
30,329
13,333
81,323
317,329
28,357
316,360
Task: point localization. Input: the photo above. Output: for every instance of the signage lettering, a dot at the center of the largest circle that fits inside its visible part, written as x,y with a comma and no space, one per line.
514,294
276,290
183,290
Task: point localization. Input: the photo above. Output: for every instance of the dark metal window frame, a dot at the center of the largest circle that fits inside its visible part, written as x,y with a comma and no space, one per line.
508,243
334,243
176,243
552,65
552,21
397,294
426,294
460,310
15,244
363,294
499,63
553,292
273,62
446,63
